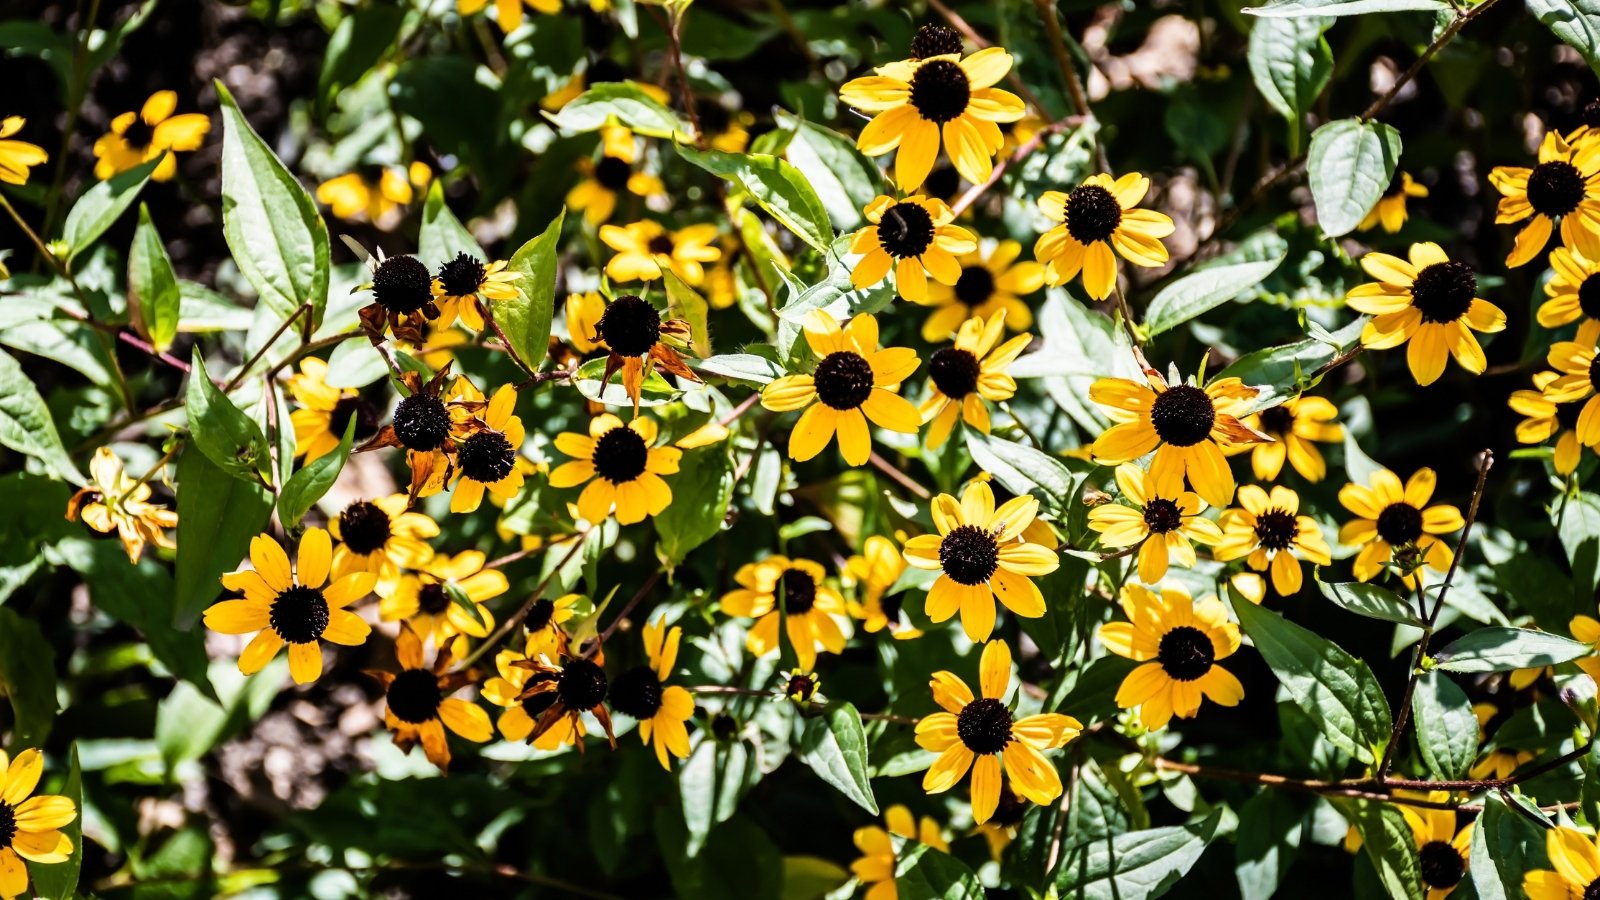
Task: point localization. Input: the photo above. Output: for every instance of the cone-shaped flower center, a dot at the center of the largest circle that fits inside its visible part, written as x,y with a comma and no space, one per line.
1186,653
487,457
582,685
940,90
365,527
984,725
1277,421
8,824
843,379
1161,515
462,276
1442,866
402,284
1589,296
969,555
935,40
539,615
799,591
299,615
347,408
637,693
1182,415
1093,214
414,696
433,598
620,455
535,704
1443,291
1400,523
975,286
1555,188
612,173
630,326
905,230
954,372
1276,529
421,422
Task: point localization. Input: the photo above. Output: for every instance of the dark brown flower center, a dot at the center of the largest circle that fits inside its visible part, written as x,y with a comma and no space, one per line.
535,704
487,457
299,615
414,696
1397,184
660,245
364,527
940,90
1161,515
942,182
421,422
139,134
954,372
843,379
905,230
1277,421
800,687
347,408
402,284
1400,523
8,824
620,455
1186,653
462,276
433,598
935,40
1444,291
1594,369
613,173
984,725
1592,892
1276,529
969,554
1589,296
582,685
602,70
539,615
1182,415
975,286
713,116
1093,213
1442,866
799,591
1555,188
1567,415
630,326
637,693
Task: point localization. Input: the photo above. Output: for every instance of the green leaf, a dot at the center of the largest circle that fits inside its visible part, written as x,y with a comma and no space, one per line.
742,367
153,287
102,205
844,179
441,235
1291,62
701,492
712,780
1285,371
1024,470
1447,730
59,881
1295,8
1335,689
1502,649
924,873
307,485
1589,794
687,304
525,319
835,747
1138,865
1577,22
1205,290
278,239
775,186
356,364
217,516
1504,846
356,45
1371,601
221,430
627,104
1387,841
27,678
1271,825
25,423
1349,166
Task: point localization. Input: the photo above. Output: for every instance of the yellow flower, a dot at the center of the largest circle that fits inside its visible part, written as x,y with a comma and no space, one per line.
1545,418
988,283
578,685
605,181
1391,209
464,282
1162,521
16,157
582,313
915,101
325,411
636,340
661,709
980,557
1564,185
291,608
1186,425
1001,829
383,537
1575,360
508,13
643,248
1573,289
1441,849
36,822
1575,857
1267,530
374,194
1179,644
426,599
813,612
1392,517
137,138
1293,425
487,461
913,237
961,377
875,867
1020,132
1097,217
1429,301
115,502
622,466
981,734
874,572
854,381
801,686
403,300
724,129
417,705
544,621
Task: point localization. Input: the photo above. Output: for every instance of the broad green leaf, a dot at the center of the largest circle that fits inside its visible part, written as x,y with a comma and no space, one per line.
356,45
710,783
526,318
441,235
59,881
741,367
1295,8
1447,730
844,179
625,103
1504,846
1081,345
356,364
835,747
1139,865
1093,695
1501,649
25,423
203,310
1205,290
701,492
1335,689
1577,22
278,239
1024,470
1291,62
1387,841
102,205
1285,371
307,485
1270,828
217,516
1371,601
151,283
687,304
775,186
1349,166
27,678
924,873
221,430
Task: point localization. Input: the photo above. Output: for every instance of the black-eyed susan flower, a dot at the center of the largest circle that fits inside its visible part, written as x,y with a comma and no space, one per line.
418,706
17,157
434,600
801,686
1442,851
915,239
579,686
1430,301
1178,643
982,734
326,411
375,194
661,709
462,285
797,591
1390,212
403,301
917,101
1573,289
297,608
854,382
1544,418
545,621
989,283
1563,187
582,313
1294,426
1097,217
1575,861
1576,361
636,340
623,468
521,711
1266,530
1164,521
1001,829
980,557
963,376
1502,761
1395,520
115,501
30,825
873,572
382,536
508,13
607,180
137,138
487,461
644,248
1186,425
429,422
875,867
